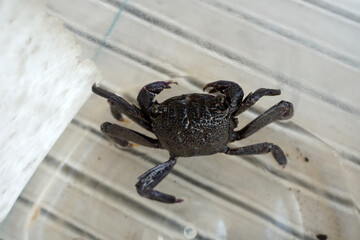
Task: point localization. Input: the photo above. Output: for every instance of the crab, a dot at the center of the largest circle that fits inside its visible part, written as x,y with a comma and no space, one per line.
189,125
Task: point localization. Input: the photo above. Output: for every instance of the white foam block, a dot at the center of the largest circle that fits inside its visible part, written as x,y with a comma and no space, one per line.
42,86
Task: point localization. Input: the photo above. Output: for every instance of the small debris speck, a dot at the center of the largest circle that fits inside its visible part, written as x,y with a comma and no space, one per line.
321,236
306,159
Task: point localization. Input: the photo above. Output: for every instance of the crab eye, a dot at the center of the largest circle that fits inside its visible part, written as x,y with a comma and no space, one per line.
156,110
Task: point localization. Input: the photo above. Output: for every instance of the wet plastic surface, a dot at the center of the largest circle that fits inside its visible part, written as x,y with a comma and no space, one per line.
84,189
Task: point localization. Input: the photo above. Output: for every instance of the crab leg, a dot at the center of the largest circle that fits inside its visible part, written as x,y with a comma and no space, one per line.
119,106
151,178
260,148
123,135
252,98
281,111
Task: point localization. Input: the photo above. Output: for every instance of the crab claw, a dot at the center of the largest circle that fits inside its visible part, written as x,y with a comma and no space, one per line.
157,87
171,82
231,90
221,86
147,94
210,85
165,84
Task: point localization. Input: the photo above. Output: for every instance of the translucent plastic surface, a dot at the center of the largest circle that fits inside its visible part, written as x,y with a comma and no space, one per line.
85,187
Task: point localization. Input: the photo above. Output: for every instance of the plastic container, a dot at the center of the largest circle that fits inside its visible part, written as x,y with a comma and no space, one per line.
84,189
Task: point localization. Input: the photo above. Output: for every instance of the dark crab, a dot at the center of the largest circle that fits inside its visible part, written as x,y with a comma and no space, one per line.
191,125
